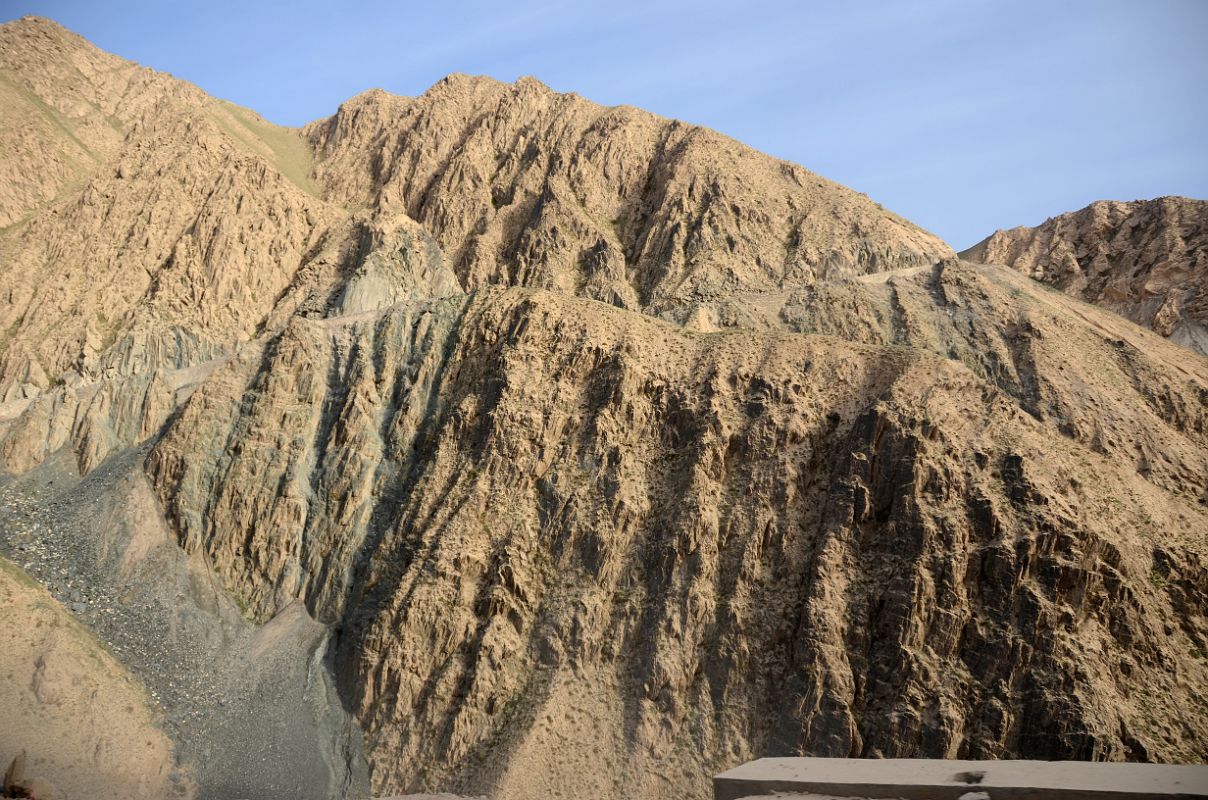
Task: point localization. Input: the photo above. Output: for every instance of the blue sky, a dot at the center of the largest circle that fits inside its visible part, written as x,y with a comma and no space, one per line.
962,115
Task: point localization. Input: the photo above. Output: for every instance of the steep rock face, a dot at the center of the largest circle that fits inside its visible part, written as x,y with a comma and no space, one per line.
1146,260
1086,373
405,348
196,243
710,546
188,223
180,218
402,263
143,381
525,187
1089,375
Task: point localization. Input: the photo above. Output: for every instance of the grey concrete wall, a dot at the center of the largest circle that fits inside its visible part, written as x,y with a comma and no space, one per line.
935,779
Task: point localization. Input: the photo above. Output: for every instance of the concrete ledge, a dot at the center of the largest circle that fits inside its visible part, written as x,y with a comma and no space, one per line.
936,779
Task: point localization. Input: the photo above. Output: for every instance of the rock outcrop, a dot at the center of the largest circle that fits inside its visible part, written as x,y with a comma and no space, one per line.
522,186
207,225
611,452
1146,260
541,522
189,222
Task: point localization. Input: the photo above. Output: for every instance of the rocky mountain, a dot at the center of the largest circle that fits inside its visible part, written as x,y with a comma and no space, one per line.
205,221
1146,260
521,186
499,442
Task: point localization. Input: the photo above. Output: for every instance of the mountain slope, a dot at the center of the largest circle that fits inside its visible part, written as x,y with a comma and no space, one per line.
172,243
196,225
605,451
85,725
73,106
524,504
1146,260
526,187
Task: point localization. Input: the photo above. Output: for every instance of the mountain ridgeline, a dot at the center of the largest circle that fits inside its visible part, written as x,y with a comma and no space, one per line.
581,452
1146,260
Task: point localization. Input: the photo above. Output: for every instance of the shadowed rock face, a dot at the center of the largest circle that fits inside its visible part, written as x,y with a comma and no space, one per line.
710,546
1146,260
614,453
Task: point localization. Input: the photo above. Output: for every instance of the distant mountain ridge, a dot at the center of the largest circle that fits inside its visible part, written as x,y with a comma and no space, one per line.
1147,260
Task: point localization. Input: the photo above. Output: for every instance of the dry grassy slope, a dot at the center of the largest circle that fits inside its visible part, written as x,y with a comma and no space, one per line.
572,547
192,211
524,186
1146,260
69,108
85,723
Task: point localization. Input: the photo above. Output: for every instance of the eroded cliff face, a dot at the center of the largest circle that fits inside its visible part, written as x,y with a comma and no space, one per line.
526,187
611,451
208,226
569,546
188,222
1146,260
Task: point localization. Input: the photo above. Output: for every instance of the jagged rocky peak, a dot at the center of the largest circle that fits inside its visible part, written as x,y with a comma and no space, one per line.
522,185
400,262
213,226
1146,260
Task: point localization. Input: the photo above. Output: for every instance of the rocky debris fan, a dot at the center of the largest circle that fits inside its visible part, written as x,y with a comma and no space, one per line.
76,722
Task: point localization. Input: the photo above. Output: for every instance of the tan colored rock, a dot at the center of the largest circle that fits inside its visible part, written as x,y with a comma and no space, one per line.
204,220
523,186
192,223
70,108
1146,260
573,547
84,724
613,452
